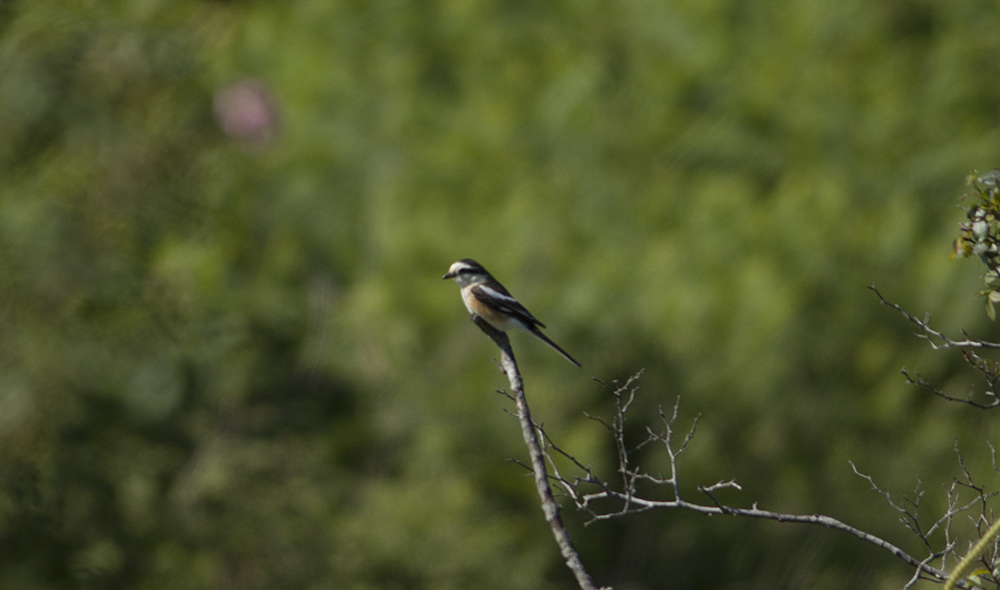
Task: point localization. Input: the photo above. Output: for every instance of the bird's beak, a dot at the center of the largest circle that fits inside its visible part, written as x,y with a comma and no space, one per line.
450,275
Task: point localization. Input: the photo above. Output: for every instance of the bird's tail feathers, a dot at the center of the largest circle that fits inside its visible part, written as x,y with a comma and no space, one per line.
555,346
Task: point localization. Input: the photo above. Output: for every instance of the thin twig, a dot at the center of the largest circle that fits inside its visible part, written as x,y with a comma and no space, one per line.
529,431
929,334
629,502
939,341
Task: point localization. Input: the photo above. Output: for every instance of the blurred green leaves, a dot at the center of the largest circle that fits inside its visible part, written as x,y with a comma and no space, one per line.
226,355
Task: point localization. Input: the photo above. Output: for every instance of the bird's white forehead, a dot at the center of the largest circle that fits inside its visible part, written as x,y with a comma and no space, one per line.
457,266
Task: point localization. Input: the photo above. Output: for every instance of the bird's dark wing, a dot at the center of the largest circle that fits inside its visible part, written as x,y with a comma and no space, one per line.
500,300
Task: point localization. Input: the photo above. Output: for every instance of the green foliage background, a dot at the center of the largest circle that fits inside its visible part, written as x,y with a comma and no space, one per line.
233,364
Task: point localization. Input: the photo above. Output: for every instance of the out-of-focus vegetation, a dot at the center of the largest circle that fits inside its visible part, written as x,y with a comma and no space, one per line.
227,359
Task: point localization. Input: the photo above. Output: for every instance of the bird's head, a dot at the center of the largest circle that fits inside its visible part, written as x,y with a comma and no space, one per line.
466,271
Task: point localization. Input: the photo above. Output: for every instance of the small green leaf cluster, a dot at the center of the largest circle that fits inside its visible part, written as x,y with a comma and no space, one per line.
981,233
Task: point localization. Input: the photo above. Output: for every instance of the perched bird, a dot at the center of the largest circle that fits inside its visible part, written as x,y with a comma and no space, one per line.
485,297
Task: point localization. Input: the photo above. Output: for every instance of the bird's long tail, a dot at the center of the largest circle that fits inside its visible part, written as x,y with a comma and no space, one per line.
555,346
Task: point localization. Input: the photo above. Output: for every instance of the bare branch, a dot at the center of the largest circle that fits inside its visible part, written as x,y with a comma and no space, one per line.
919,381
937,340
591,493
528,429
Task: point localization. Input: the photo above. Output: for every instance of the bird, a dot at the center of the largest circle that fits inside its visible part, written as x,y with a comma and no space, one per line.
485,297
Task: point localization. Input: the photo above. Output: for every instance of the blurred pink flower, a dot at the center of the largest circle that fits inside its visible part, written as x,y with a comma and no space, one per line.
245,111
